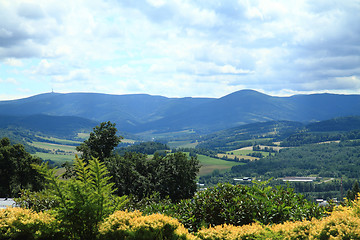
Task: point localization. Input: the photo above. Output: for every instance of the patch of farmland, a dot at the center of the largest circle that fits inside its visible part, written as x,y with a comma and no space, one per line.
209,164
56,158
232,156
53,147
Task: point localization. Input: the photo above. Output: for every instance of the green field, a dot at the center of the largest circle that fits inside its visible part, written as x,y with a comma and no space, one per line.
62,141
59,153
182,144
53,147
57,158
209,164
83,135
245,151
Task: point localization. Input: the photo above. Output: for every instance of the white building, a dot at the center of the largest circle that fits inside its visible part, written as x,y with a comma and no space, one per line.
7,202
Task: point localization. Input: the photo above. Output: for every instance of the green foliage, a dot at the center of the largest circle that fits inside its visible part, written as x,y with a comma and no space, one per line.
150,204
101,142
145,148
15,169
353,193
336,124
240,205
332,160
248,135
84,201
172,175
19,135
37,201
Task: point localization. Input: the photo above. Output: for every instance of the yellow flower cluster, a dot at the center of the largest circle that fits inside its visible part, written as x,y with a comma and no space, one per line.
231,232
20,221
126,224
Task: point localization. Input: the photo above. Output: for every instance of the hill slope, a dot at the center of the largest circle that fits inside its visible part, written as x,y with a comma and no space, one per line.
248,106
145,113
63,126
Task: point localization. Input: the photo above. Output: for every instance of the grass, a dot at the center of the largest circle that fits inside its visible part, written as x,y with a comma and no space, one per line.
182,144
61,141
231,156
209,164
243,152
57,158
125,140
67,152
83,135
54,147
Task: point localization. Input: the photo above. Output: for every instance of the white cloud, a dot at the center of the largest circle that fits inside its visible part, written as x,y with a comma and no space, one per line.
183,48
9,81
77,75
13,62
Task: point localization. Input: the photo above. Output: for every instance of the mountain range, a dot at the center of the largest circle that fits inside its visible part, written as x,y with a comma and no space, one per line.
139,113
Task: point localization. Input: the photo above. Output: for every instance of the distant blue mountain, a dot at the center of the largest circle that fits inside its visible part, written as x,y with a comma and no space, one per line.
146,113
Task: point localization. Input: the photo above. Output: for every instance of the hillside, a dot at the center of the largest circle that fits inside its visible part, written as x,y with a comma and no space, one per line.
336,124
63,126
139,113
247,134
288,132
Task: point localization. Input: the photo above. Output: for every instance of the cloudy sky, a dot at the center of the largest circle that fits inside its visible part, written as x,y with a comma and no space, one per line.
179,48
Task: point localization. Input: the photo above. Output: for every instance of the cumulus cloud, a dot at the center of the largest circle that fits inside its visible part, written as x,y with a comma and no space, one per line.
9,81
183,48
13,62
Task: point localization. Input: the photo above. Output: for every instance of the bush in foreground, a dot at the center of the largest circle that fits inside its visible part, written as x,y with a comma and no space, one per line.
240,205
135,225
20,223
342,223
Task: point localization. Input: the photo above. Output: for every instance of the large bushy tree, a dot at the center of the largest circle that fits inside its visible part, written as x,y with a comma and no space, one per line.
173,175
15,169
101,142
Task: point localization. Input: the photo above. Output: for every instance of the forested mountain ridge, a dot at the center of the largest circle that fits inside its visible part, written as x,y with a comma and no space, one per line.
289,133
61,126
145,113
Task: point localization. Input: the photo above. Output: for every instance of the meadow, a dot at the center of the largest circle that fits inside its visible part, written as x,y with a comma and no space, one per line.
209,164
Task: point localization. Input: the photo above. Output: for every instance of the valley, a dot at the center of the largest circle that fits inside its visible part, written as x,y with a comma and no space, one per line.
242,135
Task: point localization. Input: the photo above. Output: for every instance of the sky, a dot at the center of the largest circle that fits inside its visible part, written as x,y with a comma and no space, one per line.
178,48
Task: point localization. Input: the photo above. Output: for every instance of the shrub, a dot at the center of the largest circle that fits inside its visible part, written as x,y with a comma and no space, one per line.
239,205
22,224
84,201
37,201
229,232
342,223
135,225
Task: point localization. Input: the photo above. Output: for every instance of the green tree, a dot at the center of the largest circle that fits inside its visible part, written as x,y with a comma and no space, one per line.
131,174
176,175
352,194
101,142
173,175
15,169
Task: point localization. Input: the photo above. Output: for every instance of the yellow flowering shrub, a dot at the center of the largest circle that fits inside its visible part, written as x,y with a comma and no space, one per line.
20,223
342,223
135,225
229,232
292,230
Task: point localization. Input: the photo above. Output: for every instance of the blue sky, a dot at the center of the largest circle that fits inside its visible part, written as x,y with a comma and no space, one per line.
175,48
